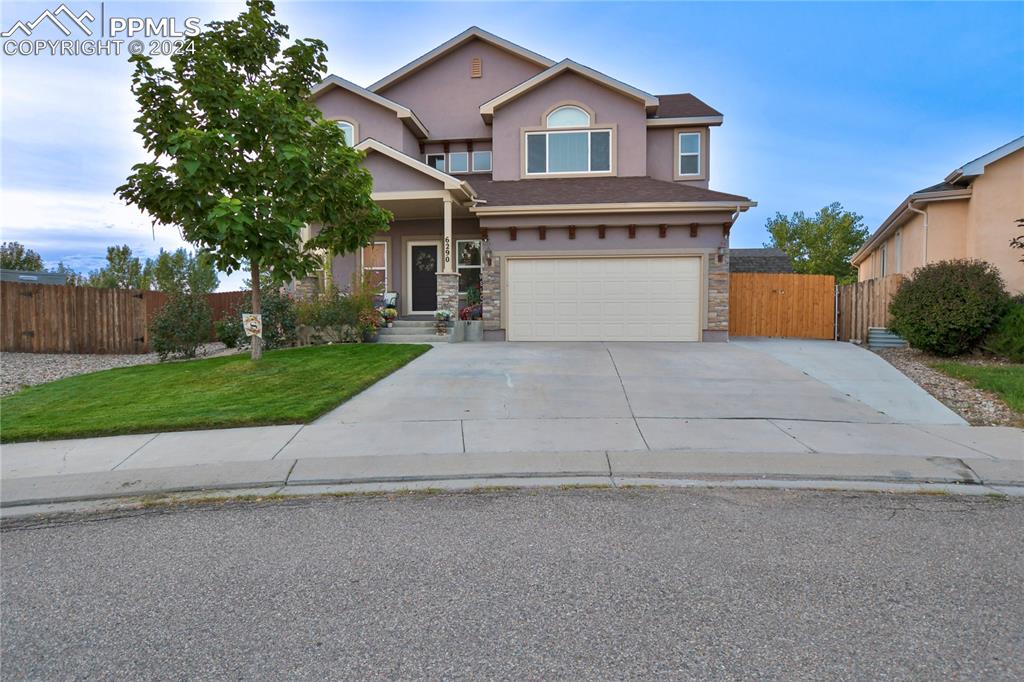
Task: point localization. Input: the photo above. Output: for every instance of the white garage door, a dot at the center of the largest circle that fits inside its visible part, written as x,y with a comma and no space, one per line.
604,299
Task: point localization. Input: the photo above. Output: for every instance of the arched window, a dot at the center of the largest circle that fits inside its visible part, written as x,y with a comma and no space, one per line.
568,117
350,132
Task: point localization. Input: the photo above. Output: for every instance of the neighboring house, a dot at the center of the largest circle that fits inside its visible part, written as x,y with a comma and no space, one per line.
971,214
27,277
759,260
580,205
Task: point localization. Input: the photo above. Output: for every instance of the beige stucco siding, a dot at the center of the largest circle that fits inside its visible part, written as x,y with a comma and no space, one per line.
997,201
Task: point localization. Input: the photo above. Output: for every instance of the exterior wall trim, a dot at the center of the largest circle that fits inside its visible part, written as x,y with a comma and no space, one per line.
613,143
639,207
450,183
407,244
685,121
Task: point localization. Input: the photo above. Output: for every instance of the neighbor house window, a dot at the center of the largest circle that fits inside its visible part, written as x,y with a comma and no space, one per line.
467,261
436,161
482,161
458,162
350,132
578,151
375,264
689,153
882,258
568,117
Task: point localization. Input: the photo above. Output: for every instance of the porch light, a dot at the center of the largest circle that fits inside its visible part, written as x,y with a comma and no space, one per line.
721,253
486,244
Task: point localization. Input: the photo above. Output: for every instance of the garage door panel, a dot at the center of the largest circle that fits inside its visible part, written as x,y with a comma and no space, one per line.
594,299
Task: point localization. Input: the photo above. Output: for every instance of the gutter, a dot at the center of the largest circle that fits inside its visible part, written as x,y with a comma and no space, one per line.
910,206
896,218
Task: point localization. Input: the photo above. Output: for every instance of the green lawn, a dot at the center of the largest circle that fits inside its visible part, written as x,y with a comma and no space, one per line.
1006,381
285,387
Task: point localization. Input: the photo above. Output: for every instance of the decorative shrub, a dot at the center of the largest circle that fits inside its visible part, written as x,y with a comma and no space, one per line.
471,312
473,296
1006,338
180,326
945,308
229,330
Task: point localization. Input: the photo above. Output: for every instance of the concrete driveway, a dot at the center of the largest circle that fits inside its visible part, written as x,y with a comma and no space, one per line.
763,395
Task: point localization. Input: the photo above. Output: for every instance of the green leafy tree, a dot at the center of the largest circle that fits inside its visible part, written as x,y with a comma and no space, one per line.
14,256
1018,242
179,271
241,158
72,277
122,271
821,244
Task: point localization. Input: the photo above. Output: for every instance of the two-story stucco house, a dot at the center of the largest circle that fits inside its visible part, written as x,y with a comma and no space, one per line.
579,205
973,213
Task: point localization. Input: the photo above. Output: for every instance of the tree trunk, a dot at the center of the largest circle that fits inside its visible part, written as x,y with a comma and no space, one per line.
256,341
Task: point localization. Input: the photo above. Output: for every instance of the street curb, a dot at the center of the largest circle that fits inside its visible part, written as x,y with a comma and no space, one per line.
712,468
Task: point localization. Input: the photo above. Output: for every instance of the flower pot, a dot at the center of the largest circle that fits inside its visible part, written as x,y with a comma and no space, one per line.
457,332
390,325
474,330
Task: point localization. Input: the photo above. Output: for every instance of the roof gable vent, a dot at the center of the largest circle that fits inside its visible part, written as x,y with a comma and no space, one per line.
476,68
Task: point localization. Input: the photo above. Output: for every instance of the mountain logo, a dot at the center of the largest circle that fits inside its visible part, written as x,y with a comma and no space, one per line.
52,16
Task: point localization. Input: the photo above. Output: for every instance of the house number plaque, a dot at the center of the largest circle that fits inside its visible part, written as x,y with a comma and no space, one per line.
447,252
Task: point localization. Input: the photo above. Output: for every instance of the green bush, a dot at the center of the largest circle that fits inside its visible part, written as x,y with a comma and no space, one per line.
229,330
1006,338
180,326
280,318
945,308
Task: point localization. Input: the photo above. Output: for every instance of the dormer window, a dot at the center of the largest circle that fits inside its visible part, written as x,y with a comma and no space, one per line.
568,117
350,132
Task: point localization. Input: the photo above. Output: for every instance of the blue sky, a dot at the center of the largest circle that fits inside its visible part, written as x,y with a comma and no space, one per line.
859,103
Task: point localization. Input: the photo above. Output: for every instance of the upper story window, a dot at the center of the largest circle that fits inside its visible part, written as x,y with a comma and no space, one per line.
436,161
568,117
482,162
350,132
689,155
578,151
458,162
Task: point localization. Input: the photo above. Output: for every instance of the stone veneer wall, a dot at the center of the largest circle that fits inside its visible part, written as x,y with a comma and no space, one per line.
448,292
718,293
490,293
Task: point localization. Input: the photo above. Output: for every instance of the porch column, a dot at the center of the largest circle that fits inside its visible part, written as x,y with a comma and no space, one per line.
448,248
448,278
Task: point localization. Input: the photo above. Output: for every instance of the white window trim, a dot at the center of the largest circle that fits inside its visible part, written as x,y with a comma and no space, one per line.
563,131
490,161
353,124
681,154
459,267
451,155
362,262
547,118
444,161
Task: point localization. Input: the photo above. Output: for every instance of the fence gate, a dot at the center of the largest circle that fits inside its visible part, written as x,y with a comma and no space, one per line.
786,305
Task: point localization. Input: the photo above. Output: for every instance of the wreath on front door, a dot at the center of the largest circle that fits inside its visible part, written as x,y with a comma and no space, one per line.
426,262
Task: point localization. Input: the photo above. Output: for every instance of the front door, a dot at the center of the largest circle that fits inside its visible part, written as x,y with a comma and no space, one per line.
422,268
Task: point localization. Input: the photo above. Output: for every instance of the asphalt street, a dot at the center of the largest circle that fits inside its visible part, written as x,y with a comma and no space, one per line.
543,584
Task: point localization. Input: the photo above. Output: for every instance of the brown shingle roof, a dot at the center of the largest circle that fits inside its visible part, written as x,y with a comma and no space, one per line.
683,104
605,190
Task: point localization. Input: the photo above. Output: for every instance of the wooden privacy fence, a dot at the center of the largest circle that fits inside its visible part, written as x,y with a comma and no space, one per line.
40,318
788,305
865,304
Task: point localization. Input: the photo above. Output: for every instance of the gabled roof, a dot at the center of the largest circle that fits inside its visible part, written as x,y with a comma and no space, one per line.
473,32
407,116
449,182
487,108
975,168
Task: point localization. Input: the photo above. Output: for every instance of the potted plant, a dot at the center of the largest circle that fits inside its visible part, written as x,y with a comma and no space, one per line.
471,316
389,315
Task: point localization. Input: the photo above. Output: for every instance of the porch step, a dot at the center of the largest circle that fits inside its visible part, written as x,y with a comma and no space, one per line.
413,324
403,330
409,338
879,337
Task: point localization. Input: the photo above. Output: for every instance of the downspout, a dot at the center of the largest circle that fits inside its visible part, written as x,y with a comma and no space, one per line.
910,205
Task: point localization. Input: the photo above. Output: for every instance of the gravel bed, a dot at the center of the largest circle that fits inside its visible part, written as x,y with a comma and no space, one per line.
979,408
18,370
